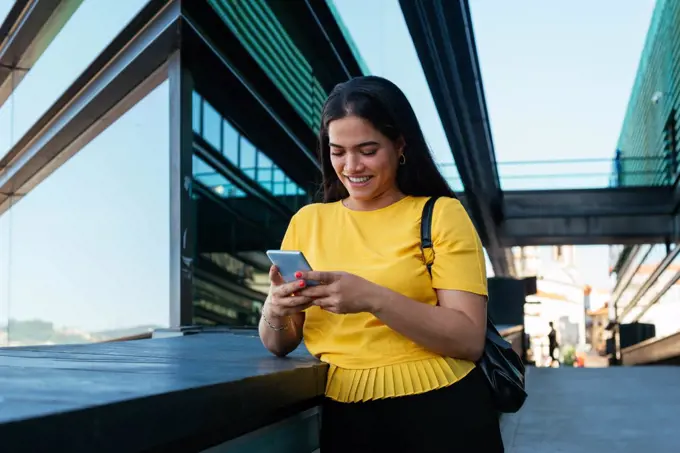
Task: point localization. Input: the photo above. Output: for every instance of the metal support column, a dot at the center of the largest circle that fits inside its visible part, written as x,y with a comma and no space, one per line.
182,219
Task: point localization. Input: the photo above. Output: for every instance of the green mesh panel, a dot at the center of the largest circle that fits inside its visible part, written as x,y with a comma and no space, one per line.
258,29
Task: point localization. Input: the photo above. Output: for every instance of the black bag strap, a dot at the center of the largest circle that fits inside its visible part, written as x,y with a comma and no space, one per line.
427,249
500,364
426,245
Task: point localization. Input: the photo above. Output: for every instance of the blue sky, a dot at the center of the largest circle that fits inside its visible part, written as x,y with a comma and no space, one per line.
88,248
557,78
89,245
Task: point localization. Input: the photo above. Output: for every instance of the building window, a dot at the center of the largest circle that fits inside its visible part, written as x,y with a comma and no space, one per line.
230,142
235,223
87,251
211,122
213,180
261,33
247,158
239,151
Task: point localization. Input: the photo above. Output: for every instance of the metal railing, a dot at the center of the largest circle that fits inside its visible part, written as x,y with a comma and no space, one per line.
582,173
664,350
519,175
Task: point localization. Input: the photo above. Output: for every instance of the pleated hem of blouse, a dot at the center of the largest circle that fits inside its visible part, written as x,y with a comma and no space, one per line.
410,378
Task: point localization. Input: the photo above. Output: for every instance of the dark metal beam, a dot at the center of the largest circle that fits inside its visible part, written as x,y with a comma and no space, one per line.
183,229
585,230
622,215
229,77
119,77
26,32
629,201
10,22
444,40
316,32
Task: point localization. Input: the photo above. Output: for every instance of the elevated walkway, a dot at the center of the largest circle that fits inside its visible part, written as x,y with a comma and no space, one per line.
558,203
595,410
617,215
505,213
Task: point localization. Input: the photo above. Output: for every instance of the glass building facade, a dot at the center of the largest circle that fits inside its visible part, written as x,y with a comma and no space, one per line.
646,276
646,288
150,152
647,149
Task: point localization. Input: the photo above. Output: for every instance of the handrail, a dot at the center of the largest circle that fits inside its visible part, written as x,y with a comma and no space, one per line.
669,284
631,171
140,336
627,269
651,280
506,332
652,351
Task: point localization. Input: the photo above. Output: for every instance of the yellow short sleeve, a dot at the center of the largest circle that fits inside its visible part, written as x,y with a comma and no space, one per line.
459,257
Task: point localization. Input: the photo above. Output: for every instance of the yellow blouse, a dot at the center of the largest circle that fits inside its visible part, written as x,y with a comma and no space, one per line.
368,360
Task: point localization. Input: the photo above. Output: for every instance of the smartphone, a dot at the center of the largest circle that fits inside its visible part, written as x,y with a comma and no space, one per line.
289,262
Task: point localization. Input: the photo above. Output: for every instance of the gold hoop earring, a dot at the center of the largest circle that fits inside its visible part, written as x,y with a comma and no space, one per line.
402,159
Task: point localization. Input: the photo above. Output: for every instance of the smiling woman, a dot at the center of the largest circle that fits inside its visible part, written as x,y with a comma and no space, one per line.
368,131
365,161
401,344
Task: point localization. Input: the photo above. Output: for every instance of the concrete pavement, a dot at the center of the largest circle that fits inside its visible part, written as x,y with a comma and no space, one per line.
584,410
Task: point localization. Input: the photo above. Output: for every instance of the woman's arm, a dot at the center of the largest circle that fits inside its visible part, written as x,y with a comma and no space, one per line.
282,317
281,342
455,328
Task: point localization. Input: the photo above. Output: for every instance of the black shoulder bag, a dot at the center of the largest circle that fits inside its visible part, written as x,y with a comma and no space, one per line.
500,364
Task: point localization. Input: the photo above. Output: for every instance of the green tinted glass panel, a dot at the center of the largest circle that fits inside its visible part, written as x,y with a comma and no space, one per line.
209,177
196,106
260,32
230,142
212,126
646,140
226,140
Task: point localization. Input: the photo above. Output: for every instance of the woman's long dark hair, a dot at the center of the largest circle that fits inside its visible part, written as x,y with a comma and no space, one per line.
385,106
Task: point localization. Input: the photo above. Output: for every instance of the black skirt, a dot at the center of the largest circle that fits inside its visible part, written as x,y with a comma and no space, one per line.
458,418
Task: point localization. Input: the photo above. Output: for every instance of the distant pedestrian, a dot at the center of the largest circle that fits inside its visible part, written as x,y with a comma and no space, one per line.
552,344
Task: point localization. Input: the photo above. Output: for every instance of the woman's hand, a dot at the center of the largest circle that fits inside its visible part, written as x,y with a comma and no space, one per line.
284,298
453,328
282,319
339,292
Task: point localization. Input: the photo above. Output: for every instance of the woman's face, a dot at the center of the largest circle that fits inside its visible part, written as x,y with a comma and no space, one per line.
364,159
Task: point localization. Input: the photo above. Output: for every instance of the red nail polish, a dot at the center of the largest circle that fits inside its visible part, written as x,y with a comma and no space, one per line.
298,274
302,284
